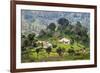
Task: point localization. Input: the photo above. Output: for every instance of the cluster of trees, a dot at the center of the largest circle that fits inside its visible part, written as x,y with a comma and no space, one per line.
27,41
77,32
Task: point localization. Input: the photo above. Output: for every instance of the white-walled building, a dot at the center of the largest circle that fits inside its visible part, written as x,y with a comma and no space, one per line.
65,41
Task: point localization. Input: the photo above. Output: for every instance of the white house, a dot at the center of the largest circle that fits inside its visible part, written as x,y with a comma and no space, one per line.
46,44
65,41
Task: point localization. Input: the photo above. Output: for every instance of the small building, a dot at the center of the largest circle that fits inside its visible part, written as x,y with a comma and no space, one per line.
64,40
46,44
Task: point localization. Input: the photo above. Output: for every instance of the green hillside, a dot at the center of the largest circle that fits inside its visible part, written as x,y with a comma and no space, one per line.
56,43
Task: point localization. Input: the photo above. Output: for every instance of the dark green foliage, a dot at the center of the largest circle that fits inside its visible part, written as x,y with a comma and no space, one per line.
54,45
59,51
23,36
51,26
23,48
37,50
48,50
63,22
78,33
26,43
72,40
68,30
31,36
35,44
71,51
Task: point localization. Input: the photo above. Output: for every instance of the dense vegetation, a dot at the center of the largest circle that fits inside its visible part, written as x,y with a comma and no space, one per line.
33,50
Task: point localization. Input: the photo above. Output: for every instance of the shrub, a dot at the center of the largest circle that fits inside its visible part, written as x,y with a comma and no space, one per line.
71,51
48,50
59,51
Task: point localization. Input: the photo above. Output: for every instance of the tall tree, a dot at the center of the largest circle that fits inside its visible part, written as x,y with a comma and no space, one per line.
63,21
31,38
51,26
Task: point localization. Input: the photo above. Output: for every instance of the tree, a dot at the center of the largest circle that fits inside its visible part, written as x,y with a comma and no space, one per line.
59,51
24,44
31,37
48,50
63,21
81,34
35,44
78,27
54,45
77,31
23,36
71,51
68,30
51,26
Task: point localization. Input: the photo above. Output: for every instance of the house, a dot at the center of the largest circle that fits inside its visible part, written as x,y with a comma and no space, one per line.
64,40
46,44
